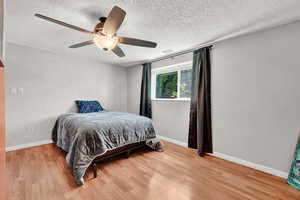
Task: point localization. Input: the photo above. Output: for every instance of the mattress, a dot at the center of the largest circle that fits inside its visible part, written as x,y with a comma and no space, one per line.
85,136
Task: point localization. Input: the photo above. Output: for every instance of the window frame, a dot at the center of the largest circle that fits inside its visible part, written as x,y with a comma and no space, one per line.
167,69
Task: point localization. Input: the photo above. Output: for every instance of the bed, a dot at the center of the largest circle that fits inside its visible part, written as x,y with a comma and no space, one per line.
87,137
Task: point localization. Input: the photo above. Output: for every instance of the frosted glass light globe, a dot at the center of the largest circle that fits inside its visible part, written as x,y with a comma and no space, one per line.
105,42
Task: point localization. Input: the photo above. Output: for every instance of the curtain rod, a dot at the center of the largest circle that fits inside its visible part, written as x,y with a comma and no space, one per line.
180,53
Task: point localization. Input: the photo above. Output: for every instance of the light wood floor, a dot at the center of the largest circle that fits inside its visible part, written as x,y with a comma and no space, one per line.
41,173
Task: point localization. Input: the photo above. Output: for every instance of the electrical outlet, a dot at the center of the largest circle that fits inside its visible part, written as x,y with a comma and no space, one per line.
30,130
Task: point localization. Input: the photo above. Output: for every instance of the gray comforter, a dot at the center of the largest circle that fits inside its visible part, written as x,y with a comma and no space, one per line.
86,136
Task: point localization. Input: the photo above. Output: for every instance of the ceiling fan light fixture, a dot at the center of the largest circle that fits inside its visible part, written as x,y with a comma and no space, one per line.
105,42
105,33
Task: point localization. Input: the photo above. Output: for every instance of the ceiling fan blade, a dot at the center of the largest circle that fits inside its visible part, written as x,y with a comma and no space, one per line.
82,44
118,51
114,20
137,42
62,23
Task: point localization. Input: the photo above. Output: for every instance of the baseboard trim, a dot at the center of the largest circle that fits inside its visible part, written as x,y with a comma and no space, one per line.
259,167
32,144
246,163
173,141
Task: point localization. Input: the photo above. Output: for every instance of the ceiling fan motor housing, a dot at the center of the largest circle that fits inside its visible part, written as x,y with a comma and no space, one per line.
102,19
99,26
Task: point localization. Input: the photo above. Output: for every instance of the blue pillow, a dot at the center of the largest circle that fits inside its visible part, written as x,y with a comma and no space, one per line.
88,106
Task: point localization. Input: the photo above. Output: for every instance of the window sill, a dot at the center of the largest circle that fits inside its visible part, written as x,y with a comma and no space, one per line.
170,100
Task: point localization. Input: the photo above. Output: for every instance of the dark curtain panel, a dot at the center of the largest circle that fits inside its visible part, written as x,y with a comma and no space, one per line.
145,101
200,134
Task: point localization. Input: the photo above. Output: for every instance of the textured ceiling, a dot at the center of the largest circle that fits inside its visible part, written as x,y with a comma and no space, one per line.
173,24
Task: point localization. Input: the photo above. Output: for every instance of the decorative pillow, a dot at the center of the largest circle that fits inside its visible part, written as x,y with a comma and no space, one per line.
88,106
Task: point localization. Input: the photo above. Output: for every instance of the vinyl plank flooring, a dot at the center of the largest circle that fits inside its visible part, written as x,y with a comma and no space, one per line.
41,173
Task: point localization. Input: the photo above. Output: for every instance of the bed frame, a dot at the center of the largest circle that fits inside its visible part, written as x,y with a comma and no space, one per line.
126,150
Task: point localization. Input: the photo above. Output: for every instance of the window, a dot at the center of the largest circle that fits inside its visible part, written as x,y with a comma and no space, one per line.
172,82
186,83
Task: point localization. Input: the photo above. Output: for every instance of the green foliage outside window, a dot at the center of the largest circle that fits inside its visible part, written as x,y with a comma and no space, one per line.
166,85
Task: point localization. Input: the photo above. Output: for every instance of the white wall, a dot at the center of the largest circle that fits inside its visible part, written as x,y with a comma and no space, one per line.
51,83
134,80
255,98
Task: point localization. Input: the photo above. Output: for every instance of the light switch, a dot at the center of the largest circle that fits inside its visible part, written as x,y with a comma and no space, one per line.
20,91
16,91
13,91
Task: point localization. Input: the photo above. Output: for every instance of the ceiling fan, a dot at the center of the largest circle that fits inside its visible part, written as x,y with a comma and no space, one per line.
104,33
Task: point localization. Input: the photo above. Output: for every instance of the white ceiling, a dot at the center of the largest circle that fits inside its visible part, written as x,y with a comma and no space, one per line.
173,24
